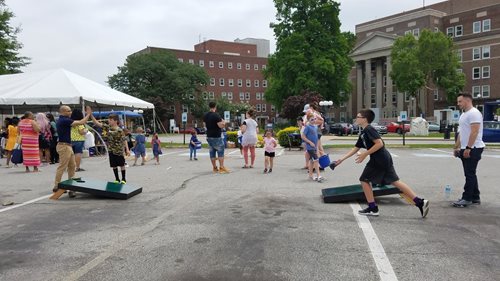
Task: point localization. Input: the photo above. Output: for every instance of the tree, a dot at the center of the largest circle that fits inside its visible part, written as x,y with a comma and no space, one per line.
161,79
311,52
10,60
425,63
293,106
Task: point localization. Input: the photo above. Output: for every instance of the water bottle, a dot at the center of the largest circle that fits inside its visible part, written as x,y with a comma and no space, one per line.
447,192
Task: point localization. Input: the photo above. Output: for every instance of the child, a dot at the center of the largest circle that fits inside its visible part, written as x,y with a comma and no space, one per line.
380,169
156,144
269,151
140,146
300,124
310,137
117,145
192,146
240,141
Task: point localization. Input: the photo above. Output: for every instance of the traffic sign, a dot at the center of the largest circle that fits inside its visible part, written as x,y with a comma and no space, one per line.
227,116
184,117
403,115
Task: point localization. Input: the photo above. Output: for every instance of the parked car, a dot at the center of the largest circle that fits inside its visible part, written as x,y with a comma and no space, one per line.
394,127
200,130
491,131
382,130
433,127
341,129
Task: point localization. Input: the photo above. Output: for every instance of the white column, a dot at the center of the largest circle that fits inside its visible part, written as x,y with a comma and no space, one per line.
388,88
378,87
359,86
368,84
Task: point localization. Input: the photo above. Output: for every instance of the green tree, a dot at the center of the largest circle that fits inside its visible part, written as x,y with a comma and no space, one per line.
425,63
293,106
161,79
10,59
312,54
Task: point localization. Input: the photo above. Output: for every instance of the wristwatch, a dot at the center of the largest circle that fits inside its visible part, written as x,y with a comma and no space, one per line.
468,147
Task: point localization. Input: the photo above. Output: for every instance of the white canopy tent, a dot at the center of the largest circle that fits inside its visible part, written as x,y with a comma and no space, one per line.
51,88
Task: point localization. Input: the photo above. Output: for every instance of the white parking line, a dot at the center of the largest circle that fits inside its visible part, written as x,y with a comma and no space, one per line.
382,262
394,155
440,150
25,203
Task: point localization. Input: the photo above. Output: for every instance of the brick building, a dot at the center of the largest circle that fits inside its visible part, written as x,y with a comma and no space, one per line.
474,27
235,70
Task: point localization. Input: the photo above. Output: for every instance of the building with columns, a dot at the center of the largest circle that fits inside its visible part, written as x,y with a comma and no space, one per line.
473,25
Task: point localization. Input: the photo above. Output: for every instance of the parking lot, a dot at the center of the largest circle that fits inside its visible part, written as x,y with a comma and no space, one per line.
190,224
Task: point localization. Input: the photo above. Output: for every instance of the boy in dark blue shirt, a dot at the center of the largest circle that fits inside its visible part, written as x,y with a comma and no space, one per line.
310,137
192,145
379,169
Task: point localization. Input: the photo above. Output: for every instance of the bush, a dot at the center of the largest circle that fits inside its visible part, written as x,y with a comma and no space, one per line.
284,140
232,136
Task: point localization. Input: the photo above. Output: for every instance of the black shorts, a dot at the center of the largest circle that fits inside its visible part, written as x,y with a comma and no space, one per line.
269,154
379,175
313,155
116,160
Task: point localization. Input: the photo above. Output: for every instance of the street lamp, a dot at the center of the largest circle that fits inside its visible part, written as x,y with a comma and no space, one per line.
325,105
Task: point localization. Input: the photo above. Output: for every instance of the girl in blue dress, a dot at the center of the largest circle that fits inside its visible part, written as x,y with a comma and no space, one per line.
140,146
156,144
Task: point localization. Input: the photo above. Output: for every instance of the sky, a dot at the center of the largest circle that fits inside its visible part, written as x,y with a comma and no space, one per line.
93,37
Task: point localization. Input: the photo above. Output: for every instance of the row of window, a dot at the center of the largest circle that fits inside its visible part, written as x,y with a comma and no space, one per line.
481,91
229,95
477,27
239,65
222,83
481,72
478,53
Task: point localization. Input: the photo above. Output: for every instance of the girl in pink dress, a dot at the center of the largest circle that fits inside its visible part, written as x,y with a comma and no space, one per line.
29,131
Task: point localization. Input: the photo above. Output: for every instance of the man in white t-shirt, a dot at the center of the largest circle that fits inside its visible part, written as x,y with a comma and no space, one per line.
469,147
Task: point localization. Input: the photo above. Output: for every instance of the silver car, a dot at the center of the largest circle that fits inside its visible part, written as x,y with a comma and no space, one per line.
382,130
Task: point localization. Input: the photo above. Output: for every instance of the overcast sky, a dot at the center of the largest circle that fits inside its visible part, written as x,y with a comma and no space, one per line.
93,37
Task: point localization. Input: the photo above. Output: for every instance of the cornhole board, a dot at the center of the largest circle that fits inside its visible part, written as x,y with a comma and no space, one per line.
97,188
355,192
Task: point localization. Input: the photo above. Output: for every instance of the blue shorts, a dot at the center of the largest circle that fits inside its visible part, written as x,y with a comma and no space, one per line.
216,145
77,146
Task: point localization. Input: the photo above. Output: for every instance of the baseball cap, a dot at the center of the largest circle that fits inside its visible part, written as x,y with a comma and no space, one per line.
306,108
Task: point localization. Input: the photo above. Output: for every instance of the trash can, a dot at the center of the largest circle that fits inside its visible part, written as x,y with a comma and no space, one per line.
447,133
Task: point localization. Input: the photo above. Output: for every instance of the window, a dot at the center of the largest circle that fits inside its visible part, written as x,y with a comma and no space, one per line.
172,108
486,52
459,70
384,79
242,96
436,94
394,98
459,30
263,96
257,108
223,94
476,73
476,53
407,32
273,108
247,66
264,67
221,64
211,95
257,96
486,91
212,81
264,107
205,95
476,27
407,97
460,55
486,71
191,97
476,91
185,108
180,59
247,96
255,67
450,31
256,83
230,95
231,82
416,32
240,83
436,29
211,64
191,61
221,82
230,65
249,83
373,81
385,98
486,25
202,63
238,65
264,83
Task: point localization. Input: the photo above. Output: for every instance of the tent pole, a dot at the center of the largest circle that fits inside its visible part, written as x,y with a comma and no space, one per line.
124,118
154,120
13,112
82,102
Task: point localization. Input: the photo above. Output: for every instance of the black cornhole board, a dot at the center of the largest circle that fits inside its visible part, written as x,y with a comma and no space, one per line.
354,192
101,188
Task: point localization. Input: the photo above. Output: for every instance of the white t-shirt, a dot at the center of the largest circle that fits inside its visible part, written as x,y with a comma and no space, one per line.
472,116
250,135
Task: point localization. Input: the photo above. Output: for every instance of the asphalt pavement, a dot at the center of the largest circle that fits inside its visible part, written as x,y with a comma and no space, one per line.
191,224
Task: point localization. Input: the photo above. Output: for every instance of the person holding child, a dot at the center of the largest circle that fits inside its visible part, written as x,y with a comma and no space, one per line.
310,137
270,144
139,146
193,142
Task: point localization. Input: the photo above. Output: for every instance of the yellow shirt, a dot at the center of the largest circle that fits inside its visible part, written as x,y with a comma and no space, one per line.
11,141
75,133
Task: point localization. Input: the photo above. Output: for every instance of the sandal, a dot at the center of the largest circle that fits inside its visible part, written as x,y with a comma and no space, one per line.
245,167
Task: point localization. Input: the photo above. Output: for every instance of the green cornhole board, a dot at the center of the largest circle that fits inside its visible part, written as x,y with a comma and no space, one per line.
101,188
354,192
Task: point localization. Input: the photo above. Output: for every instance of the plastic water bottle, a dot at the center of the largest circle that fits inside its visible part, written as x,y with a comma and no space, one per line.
447,192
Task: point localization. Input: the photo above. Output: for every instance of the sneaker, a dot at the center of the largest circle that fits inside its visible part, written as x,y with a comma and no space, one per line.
215,170
265,171
123,182
369,211
116,181
320,179
195,159
223,170
461,203
270,171
71,194
190,159
476,202
423,207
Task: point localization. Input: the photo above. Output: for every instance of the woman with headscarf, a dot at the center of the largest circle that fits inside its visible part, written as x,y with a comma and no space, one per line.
44,137
29,130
